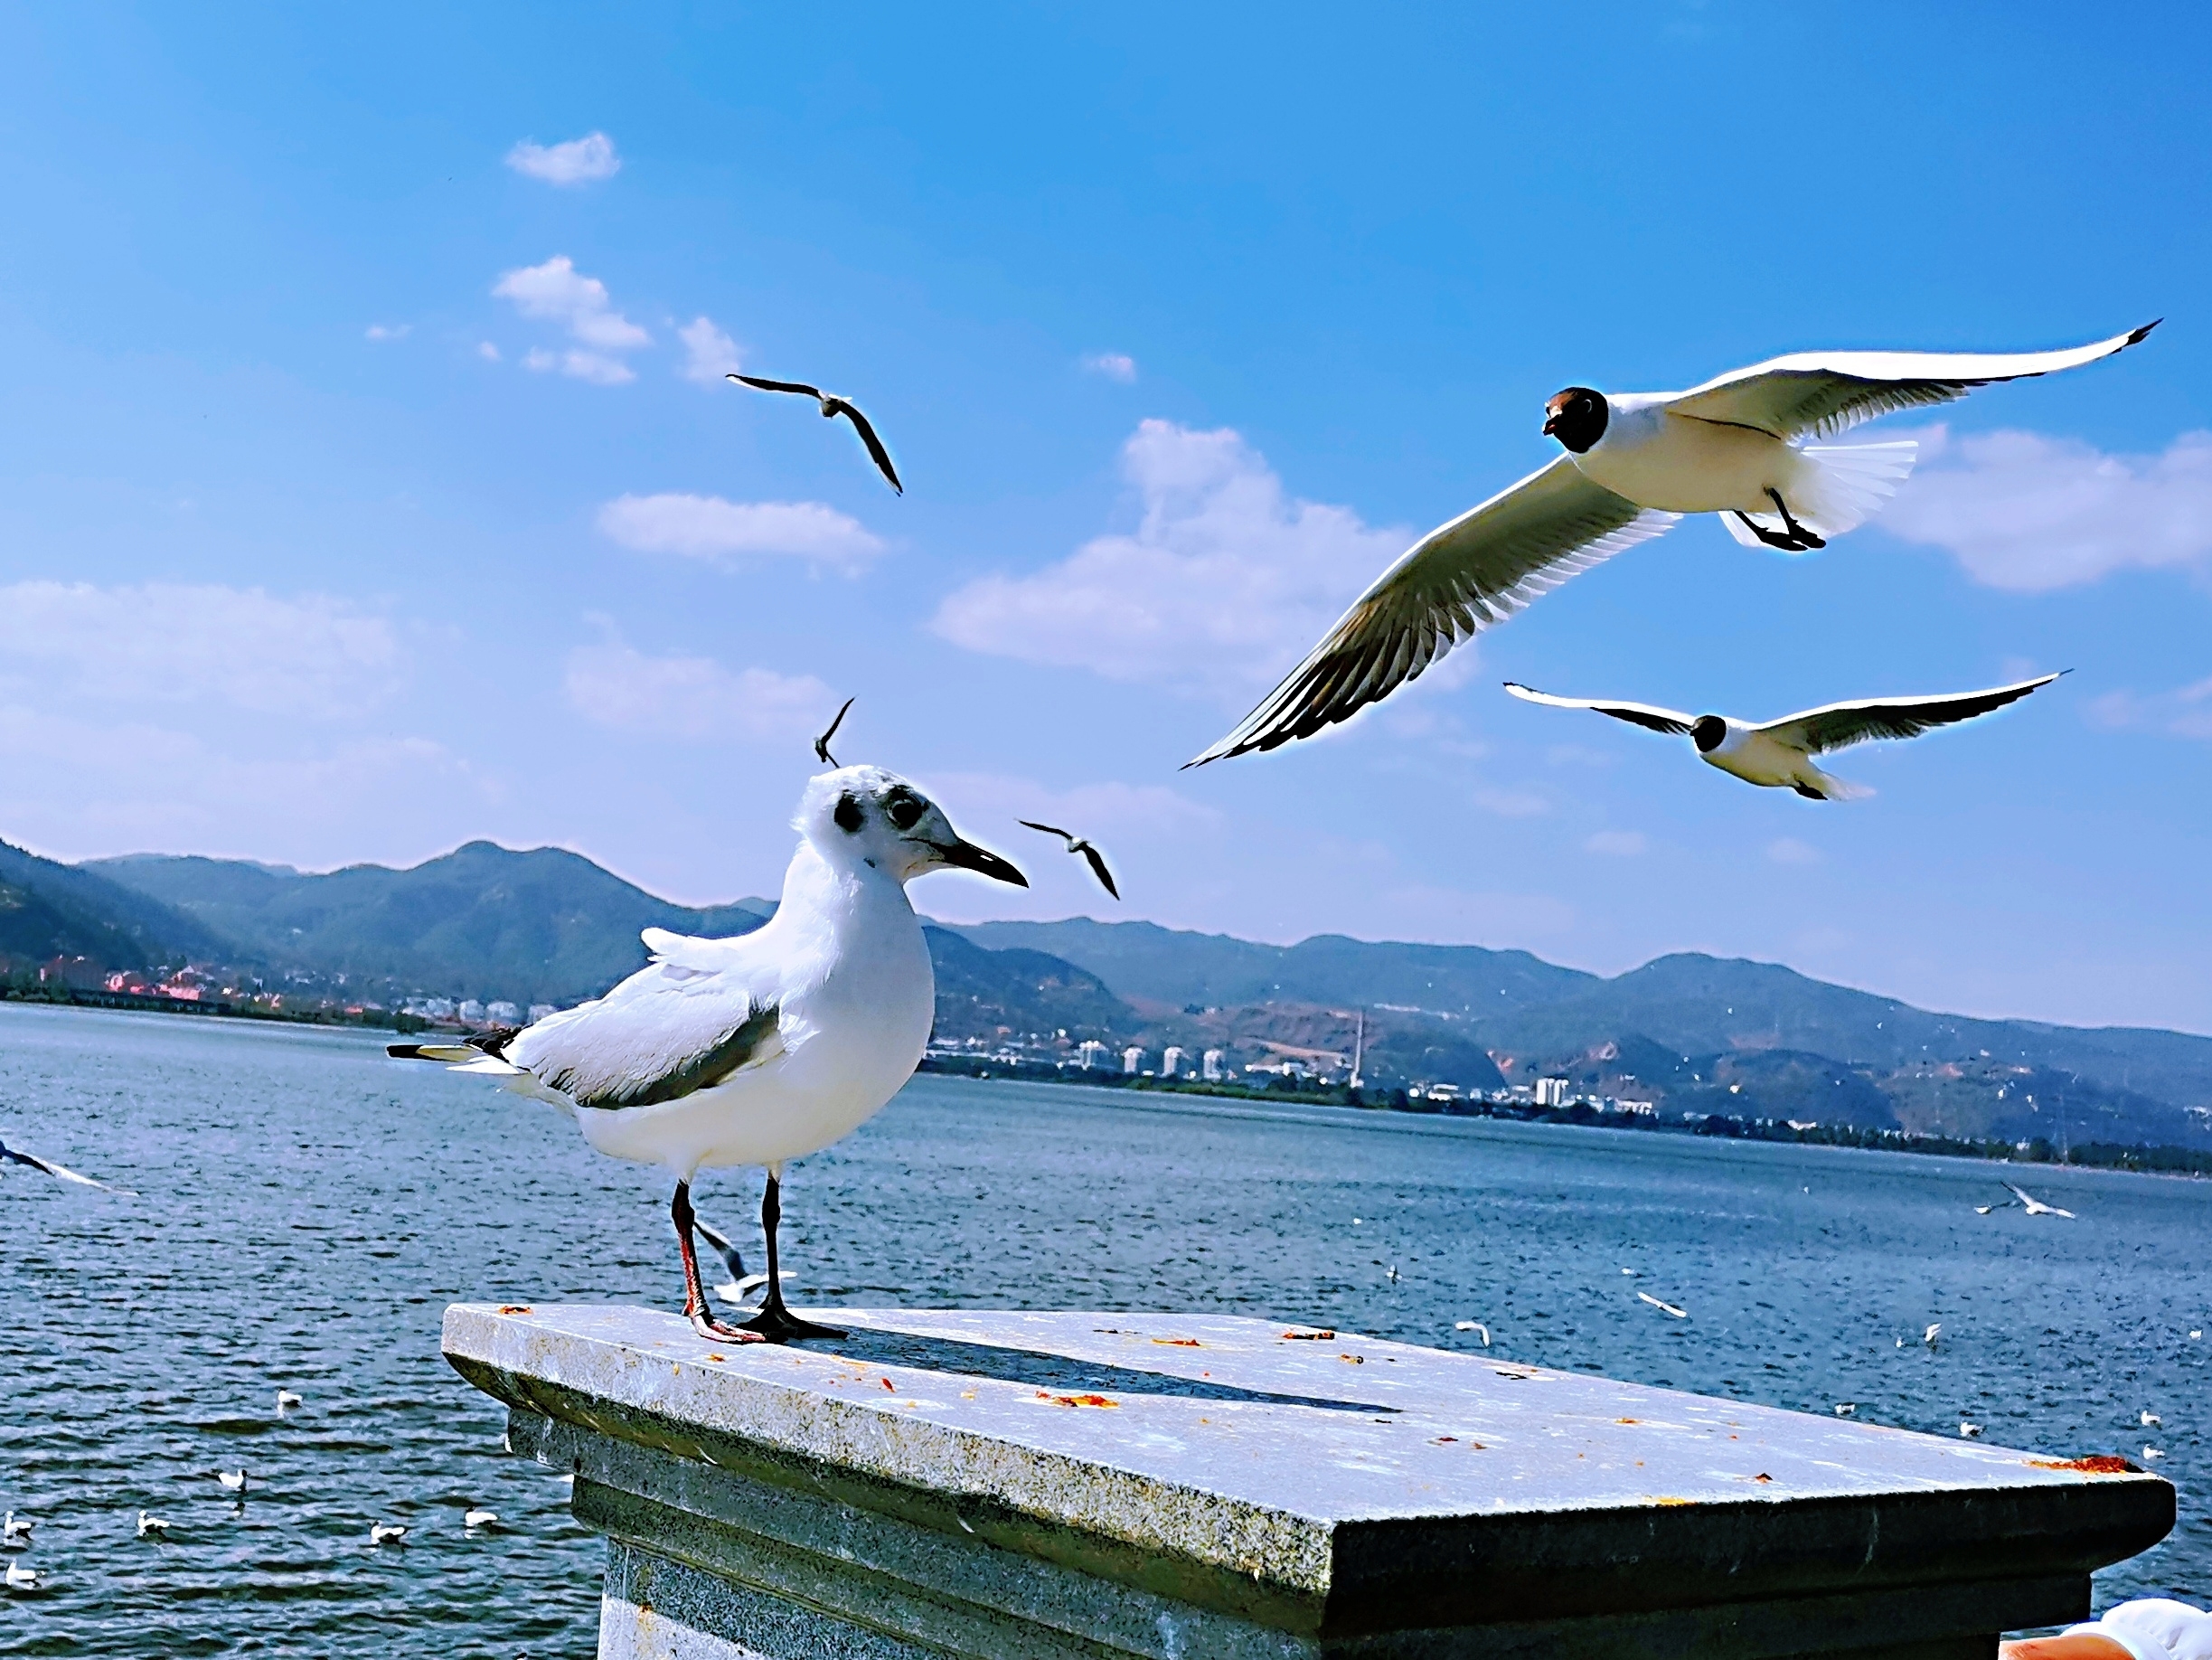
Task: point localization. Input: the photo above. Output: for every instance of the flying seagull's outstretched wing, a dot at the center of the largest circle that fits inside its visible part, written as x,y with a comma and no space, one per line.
1816,394
821,744
1077,845
782,386
1642,714
1833,726
876,452
1456,581
14,1156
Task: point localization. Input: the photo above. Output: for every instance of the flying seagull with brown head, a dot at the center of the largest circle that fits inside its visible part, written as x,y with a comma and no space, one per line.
1077,844
831,406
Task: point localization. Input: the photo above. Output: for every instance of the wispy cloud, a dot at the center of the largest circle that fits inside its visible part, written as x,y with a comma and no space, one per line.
172,643
487,350
579,160
2186,711
1111,365
2027,512
615,685
1616,844
557,292
1096,809
1789,850
389,331
709,354
1223,584
724,533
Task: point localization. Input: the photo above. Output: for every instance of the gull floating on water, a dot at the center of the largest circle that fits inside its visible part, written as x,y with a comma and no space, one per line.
1077,845
1778,754
234,1479
1931,1334
1968,1431
285,1398
149,1525
20,1578
16,1155
2152,1419
2150,1453
764,1048
2035,1207
1680,1314
15,1530
480,1518
833,406
1845,1408
387,1533
1635,463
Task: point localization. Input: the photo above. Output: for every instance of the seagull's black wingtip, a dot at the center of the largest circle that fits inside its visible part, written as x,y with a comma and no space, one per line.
2138,334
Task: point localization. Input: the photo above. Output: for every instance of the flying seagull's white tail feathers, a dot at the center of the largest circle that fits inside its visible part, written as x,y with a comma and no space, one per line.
1839,487
1833,789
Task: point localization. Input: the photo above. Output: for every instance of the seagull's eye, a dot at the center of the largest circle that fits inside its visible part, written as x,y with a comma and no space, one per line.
848,813
905,809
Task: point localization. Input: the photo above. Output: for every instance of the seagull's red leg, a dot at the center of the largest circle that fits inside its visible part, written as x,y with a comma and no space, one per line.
695,1307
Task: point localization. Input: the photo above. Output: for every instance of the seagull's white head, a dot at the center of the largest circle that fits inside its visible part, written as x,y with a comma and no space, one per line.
866,816
1577,417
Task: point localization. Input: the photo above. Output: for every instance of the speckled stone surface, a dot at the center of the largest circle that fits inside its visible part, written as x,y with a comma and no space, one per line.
1164,1485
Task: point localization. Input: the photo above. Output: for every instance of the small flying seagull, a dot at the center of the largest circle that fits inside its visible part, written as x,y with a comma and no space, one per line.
1476,1326
831,406
16,1155
740,1286
1779,754
763,1048
821,744
1680,1314
1931,1334
2035,1207
1077,845
1635,463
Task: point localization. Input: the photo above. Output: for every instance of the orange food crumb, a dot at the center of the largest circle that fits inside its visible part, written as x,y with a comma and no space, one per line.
2096,1464
514,1308
1180,1343
1305,1336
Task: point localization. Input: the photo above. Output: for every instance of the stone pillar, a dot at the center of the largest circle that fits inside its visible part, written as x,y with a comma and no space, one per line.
1200,1487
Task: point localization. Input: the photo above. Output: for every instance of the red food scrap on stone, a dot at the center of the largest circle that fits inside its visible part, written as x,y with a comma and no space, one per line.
514,1308
2096,1464
1180,1343
1306,1336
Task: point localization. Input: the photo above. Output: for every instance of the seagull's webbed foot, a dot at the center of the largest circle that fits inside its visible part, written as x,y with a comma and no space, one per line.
777,1324
708,1327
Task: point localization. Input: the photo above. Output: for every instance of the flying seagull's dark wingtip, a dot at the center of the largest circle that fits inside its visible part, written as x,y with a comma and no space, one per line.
2145,329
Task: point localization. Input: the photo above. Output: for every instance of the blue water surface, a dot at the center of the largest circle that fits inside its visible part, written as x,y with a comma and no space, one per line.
307,1209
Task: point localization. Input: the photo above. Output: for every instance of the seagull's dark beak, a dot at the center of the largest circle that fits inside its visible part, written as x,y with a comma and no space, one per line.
967,856
1551,424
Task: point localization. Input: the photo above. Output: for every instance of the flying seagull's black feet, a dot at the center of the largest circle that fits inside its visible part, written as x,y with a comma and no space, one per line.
1792,538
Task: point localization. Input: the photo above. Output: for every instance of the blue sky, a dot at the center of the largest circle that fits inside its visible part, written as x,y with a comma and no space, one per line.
368,484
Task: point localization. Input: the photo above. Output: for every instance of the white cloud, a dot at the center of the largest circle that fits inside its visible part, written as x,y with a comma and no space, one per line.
557,292
709,354
616,686
2186,711
1617,844
169,643
390,331
579,160
1222,585
710,528
1113,365
2027,512
1099,809
487,350
1789,850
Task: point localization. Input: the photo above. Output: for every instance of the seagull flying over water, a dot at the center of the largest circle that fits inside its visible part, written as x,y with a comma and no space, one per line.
833,406
740,1285
764,1048
16,1155
1635,463
1780,753
2035,1207
1077,844
821,744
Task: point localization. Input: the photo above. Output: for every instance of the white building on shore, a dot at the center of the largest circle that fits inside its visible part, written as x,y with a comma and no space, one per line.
1171,1060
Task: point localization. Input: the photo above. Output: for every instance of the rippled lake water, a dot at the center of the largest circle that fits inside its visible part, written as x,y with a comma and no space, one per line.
307,1209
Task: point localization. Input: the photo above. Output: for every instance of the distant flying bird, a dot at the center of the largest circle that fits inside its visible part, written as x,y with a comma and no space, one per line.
2035,1207
767,1047
832,405
12,1155
1680,1314
1476,1326
387,1533
1968,1431
1983,1210
1931,1334
234,1479
740,1285
821,744
1779,752
1077,844
149,1525
479,1518
1634,464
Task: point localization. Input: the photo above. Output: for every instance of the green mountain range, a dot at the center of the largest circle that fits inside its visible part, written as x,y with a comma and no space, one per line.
1690,1032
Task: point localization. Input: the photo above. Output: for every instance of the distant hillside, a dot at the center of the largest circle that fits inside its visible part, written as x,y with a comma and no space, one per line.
50,909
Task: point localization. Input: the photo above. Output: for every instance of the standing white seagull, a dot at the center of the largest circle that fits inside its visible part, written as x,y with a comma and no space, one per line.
1635,463
1780,753
767,1047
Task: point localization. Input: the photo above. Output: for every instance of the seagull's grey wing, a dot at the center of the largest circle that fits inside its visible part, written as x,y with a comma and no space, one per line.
1098,868
1642,714
782,386
1456,581
724,1246
1819,393
676,1033
16,1155
876,452
1835,725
